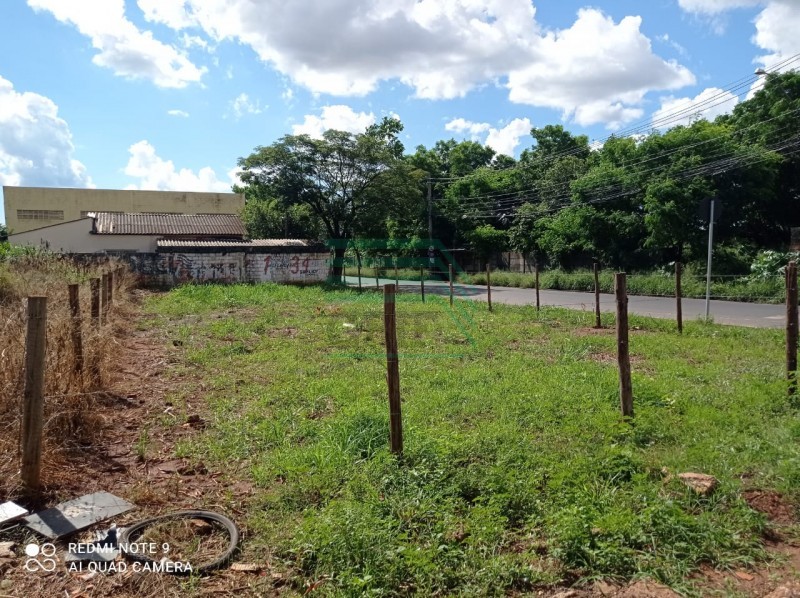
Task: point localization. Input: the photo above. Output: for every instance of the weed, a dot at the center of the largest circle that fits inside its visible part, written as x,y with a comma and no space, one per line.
70,417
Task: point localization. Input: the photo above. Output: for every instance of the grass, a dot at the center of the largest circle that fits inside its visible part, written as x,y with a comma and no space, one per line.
368,274
658,284
518,472
69,419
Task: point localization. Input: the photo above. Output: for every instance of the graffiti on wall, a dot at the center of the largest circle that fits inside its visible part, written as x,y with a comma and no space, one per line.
205,268
292,267
176,268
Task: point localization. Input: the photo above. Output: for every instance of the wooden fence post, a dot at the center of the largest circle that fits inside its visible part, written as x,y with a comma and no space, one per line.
791,327
358,265
488,286
597,322
111,288
392,370
33,399
536,282
450,275
94,285
75,312
422,283
678,297
104,297
623,356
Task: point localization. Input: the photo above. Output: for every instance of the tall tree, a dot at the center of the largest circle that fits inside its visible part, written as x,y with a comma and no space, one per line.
347,180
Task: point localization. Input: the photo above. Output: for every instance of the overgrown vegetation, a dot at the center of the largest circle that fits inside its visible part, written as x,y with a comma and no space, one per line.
70,397
518,471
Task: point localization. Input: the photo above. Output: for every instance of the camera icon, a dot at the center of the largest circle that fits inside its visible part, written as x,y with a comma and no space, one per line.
40,558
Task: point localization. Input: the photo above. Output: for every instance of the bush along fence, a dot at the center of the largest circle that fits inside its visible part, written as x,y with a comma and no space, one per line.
622,331
102,293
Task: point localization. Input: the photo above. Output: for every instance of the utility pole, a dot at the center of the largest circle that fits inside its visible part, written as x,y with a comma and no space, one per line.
430,212
708,267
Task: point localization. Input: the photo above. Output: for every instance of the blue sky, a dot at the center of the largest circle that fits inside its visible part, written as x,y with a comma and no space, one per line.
167,94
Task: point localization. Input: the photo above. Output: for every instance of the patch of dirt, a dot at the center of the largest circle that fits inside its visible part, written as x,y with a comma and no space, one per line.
134,459
604,331
285,332
586,331
611,358
774,505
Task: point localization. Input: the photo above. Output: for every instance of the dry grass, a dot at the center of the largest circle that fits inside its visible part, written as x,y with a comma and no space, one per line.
71,395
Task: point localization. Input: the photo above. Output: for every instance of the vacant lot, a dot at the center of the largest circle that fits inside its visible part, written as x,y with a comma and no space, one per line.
518,472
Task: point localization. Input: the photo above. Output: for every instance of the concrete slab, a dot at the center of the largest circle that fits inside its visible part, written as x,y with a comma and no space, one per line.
10,511
77,514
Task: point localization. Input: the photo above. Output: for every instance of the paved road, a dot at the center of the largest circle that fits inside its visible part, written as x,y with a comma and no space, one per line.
758,315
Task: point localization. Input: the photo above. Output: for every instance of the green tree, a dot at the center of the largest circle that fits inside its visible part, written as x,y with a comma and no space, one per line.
771,119
346,180
525,233
271,218
486,240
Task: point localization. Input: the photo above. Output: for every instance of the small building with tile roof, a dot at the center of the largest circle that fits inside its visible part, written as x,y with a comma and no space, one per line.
119,232
170,249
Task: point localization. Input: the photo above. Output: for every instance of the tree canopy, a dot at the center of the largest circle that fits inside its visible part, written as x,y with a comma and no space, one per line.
631,202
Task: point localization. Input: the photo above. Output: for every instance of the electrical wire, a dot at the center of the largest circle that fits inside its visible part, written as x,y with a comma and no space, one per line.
678,113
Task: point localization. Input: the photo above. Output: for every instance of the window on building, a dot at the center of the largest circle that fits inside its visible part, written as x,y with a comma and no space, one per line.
85,213
40,214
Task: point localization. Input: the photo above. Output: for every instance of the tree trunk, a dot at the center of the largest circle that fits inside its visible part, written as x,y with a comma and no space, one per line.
338,264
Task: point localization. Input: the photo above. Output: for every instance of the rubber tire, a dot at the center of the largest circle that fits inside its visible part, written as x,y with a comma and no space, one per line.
125,537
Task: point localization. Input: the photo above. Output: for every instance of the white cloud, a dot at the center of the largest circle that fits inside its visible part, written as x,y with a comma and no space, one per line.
338,117
35,143
172,13
444,49
181,113
714,7
504,140
708,104
777,28
675,45
776,25
243,105
596,71
460,125
157,174
120,45
192,41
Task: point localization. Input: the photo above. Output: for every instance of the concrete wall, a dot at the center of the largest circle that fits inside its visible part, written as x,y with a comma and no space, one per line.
76,237
173,268
72,202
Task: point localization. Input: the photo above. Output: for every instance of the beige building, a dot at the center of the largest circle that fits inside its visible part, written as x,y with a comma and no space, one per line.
29,208
118,233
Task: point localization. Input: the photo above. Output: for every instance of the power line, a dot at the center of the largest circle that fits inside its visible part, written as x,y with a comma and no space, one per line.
500,195
721,166
678,114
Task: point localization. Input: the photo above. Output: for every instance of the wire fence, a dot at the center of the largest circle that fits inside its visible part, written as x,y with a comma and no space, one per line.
376,271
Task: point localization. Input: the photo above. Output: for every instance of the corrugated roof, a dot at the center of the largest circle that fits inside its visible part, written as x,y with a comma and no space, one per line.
211,225
224,243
